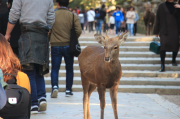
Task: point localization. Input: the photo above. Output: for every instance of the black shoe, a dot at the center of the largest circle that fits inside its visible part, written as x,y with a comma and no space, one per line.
162,68
54,92
34,109
42,104
174,63
69,93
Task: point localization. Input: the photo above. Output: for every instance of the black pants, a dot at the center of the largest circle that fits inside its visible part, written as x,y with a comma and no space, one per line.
90,26
82,26
135,28
163,55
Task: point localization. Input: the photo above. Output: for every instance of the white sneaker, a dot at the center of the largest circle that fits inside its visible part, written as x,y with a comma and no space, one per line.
54,92
34,109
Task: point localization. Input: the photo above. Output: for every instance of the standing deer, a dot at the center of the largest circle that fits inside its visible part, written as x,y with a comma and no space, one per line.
100,67
149,19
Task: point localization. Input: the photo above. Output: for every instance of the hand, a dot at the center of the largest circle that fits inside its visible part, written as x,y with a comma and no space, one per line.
122,22
135,21
177,6
8,36
157,35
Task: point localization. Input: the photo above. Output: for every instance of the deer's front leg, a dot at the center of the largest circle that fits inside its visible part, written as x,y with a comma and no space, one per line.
113,94
102,91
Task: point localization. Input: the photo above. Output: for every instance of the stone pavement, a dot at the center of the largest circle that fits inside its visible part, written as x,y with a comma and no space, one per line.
130,106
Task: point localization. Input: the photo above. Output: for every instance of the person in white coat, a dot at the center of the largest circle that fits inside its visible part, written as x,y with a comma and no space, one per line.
90,16
111,24
131,15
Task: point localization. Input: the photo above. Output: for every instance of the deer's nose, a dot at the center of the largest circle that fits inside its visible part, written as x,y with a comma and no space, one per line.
106,58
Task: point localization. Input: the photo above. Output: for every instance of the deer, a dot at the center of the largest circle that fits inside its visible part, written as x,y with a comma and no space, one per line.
149,18
100,67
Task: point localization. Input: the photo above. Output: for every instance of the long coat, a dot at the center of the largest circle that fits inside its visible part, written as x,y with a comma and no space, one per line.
166,27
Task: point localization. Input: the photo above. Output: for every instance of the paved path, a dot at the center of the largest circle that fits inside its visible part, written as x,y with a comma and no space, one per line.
130,106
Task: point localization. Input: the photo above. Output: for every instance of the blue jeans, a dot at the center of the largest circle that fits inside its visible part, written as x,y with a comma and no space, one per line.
118,26
37,85
130,28
57,52
99,26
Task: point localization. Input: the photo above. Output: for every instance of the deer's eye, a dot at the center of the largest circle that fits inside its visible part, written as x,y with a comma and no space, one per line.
116,47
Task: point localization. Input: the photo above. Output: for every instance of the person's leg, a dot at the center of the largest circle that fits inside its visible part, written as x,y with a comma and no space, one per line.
97,26
34,98
100,26
89,27
116,24
69,60
41,90
128,28
174,58
131,27
162,56
56,57
119,24
135,28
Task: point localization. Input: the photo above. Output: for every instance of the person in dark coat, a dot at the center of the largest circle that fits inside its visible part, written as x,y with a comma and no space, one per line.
16,31
166,27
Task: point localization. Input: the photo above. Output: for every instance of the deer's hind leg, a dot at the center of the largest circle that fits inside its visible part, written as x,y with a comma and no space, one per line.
113,94
92,87
85,84
102,91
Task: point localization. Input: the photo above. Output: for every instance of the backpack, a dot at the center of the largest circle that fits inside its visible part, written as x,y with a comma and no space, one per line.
74,47
97,15
18,101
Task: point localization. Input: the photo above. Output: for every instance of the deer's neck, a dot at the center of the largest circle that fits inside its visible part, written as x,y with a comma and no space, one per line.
112,66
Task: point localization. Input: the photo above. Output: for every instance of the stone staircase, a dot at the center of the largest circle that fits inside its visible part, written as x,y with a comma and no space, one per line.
140,69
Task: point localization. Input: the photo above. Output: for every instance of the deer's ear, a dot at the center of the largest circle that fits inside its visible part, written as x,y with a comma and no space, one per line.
123,37
99,38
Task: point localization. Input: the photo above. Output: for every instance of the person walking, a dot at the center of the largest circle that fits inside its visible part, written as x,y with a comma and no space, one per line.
100,19
81,19
166,26
16,31
60,41
131,15
85,20
118,19
123,24
111,24
33,44
90,18
135,22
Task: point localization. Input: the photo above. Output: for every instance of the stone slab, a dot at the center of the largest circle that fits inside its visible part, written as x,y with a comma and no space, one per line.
130,106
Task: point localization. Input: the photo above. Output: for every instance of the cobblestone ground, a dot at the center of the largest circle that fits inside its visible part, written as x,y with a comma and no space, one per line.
130,106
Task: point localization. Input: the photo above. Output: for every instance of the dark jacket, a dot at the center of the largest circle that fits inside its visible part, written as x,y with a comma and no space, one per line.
15,34
34,46
102,14
160,27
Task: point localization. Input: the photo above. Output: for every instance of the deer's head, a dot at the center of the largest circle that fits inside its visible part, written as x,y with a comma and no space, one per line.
111,45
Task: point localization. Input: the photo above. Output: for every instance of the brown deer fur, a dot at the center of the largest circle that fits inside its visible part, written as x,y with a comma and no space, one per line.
149,18
97,71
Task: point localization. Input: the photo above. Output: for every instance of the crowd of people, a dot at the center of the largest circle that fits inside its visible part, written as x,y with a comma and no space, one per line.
103,19
26,30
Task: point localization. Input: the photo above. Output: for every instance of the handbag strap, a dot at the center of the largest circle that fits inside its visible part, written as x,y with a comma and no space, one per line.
73,20
14,77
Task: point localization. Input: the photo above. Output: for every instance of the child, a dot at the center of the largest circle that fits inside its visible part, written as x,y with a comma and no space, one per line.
111,24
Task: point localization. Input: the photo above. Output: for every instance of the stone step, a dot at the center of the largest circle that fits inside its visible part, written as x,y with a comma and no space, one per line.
143,54
129,39
137,60
165,90
151,67
127,81
132,73
88,43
